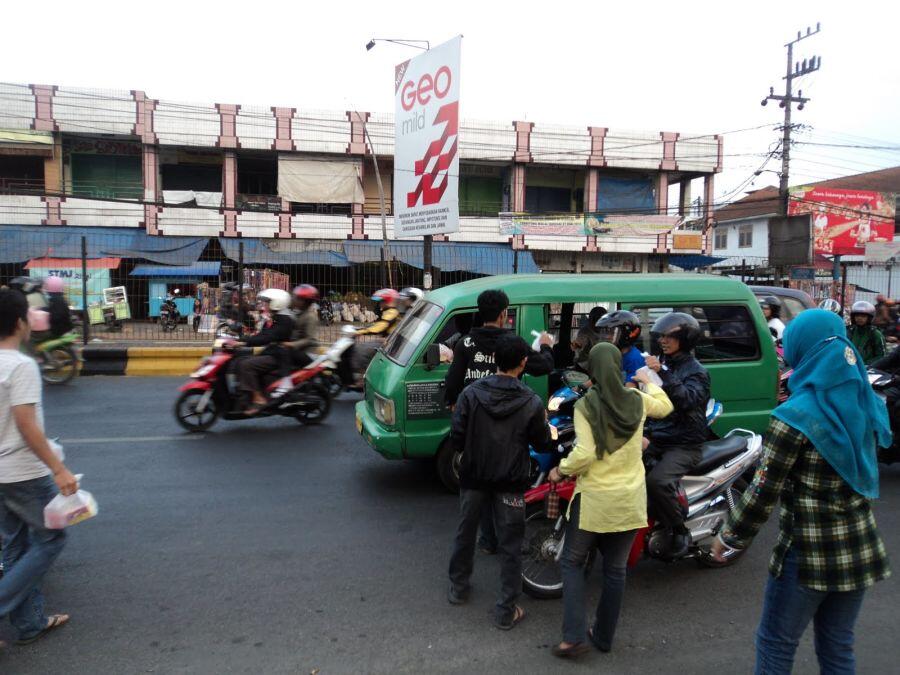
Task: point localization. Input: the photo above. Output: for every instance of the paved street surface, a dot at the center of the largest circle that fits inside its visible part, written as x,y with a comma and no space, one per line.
267,547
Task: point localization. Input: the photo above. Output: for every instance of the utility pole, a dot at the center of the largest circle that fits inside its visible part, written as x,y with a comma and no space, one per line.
786,101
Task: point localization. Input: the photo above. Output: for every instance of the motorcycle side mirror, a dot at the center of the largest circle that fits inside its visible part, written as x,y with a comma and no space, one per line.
432,356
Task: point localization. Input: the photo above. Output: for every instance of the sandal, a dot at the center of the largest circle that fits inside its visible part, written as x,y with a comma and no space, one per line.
573,650
518,617
53,621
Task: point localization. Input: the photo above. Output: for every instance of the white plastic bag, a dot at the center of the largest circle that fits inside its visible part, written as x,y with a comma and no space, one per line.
651,375
536,345
65,511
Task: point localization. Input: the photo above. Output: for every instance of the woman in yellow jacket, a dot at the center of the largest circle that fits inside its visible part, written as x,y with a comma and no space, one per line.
610,500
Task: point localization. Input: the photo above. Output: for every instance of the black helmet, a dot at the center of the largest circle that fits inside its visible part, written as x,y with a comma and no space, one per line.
683,327
621,328
773,303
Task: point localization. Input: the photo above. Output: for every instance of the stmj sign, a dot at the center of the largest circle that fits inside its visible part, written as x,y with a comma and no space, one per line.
426,142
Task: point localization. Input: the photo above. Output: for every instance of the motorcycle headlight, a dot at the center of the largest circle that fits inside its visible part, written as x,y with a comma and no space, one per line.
384,410
554,403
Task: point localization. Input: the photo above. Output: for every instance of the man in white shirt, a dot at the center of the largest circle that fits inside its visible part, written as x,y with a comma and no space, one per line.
30,474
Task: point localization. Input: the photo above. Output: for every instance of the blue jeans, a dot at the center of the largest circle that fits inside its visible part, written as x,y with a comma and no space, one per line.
787,610
28,551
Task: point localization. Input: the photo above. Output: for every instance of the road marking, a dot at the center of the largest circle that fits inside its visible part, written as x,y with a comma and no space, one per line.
134,439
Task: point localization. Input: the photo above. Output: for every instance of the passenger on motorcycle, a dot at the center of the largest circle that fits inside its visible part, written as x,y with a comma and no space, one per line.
587,337
771,309
306,325
60,316
31,288
674,442
623,329
867,339
360,355
251,369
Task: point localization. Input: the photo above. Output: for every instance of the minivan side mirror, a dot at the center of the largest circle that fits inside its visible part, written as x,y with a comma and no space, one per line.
432,356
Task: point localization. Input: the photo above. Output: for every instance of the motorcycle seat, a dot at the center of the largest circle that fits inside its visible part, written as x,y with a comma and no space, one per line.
719,451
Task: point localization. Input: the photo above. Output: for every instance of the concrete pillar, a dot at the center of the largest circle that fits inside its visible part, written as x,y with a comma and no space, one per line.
357,146
229,193
684,198
591,186
662,193
43,107
53,184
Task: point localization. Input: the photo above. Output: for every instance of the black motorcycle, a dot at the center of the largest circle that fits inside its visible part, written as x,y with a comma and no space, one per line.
168,316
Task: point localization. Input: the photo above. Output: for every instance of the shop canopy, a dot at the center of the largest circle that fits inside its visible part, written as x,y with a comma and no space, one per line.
198,269
284,252
692,262
447,256
65,263
20,244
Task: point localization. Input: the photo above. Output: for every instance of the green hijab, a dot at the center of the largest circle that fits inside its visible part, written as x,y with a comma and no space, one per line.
613,410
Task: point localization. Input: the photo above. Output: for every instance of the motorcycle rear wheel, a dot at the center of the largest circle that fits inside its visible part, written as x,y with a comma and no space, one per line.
186,411
541,572
705,559
59,365
316,404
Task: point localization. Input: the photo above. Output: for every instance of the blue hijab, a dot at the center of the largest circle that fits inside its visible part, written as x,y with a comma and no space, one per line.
831,401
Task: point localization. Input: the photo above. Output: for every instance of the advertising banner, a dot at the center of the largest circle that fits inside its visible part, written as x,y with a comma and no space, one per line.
844,221
588,224
426,142
98,279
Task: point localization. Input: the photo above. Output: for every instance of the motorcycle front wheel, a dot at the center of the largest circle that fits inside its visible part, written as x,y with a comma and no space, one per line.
187,415
731,557
544,537
59,365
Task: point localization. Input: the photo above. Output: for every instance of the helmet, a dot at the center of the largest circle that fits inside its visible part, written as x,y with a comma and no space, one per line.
306,292
683,327
386,295
278,299
622,328
412,294
772,302
54,285
830,305
176,291
862,307
25,284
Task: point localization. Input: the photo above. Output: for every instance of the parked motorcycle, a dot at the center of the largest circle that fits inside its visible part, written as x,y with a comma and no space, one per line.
212,391
168,317
57,358
708,493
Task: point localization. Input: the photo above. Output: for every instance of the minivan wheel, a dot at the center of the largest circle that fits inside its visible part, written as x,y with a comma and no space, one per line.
447,461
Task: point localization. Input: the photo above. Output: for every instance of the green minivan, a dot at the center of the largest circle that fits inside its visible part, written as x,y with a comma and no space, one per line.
403,415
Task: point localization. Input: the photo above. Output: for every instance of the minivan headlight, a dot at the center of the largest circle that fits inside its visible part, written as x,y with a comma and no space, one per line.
384,410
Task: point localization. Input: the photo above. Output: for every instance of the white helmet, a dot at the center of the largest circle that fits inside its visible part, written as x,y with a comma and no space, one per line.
862,307
278,299
412,294
830,305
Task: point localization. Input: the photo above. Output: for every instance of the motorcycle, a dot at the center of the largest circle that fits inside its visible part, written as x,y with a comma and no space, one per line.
708,493
57,358
212,390
882,381
168,317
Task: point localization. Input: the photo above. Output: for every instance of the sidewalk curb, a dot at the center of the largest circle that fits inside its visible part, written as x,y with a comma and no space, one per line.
161,361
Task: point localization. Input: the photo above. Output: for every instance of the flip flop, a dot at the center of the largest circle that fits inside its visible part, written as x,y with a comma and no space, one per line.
53,621
571,651
518,617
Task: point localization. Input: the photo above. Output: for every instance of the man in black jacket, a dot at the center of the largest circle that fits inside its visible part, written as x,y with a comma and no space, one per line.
495,420
473,358
675,440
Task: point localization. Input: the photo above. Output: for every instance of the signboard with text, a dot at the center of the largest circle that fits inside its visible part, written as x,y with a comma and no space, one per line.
426,142
845,221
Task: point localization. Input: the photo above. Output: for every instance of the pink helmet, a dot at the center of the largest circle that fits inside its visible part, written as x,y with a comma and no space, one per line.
54,285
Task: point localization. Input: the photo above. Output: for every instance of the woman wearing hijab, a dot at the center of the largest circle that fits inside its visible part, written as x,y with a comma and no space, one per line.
610,500
819,458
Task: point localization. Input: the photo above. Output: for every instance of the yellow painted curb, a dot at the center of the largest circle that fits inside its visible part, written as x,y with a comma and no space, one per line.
162,361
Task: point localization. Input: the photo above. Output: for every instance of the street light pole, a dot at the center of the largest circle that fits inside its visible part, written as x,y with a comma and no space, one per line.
427,240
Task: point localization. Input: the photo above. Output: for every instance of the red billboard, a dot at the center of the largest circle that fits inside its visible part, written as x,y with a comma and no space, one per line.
844,221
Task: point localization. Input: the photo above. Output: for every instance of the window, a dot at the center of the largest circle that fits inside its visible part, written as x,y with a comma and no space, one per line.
107,176
729,333
404,341
721,238
745,236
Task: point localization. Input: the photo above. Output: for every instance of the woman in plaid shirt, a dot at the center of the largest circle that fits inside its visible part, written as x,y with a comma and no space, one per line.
819,458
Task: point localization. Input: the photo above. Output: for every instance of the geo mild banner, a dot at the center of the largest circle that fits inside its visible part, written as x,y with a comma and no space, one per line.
426,142
844,221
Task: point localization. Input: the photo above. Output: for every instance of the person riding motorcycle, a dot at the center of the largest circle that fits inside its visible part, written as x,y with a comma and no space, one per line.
60,316
387,300
674,442
623,329
32,289
867,339
170,306
771,309
250,370
409,296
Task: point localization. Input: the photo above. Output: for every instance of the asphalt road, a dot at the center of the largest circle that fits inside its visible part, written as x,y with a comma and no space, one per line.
267,547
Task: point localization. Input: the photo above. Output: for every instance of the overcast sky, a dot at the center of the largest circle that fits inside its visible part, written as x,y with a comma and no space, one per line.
692,67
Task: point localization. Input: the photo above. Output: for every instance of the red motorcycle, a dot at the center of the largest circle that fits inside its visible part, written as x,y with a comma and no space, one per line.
708,493
212,391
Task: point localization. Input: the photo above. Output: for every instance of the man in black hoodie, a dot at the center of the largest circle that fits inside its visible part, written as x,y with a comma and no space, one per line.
473,358
494,421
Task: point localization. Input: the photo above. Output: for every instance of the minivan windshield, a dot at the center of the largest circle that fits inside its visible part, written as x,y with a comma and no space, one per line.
404,341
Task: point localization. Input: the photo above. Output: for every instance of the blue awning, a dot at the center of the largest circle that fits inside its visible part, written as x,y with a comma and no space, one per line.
447,256
20,243
284,252
198,269
692,262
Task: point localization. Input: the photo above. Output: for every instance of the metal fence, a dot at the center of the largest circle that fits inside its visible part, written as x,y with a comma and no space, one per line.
126,275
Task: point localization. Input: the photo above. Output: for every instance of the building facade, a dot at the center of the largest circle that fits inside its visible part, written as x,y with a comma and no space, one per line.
121,159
